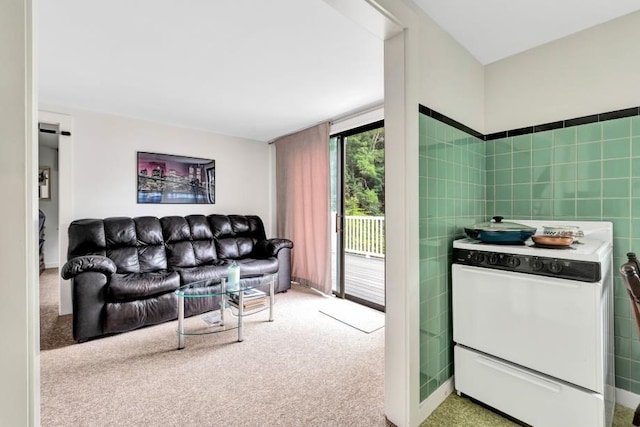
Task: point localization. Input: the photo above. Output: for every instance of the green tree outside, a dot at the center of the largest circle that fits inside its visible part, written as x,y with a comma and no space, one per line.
364,174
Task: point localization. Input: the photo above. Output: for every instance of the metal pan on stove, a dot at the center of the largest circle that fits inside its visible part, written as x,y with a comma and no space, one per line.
552,242
499,232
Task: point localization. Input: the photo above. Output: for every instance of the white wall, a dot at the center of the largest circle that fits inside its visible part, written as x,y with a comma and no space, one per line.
104,173
425,66
451,80
48,156
19,371
593,71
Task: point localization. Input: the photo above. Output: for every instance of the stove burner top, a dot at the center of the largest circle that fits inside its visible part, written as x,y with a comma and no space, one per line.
500,244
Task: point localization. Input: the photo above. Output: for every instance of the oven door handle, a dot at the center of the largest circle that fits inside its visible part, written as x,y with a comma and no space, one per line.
543,280
525,376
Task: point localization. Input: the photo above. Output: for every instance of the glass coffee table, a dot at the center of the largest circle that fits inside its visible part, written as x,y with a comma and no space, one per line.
242,300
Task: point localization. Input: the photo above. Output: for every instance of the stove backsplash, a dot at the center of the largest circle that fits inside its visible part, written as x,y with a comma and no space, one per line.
585,172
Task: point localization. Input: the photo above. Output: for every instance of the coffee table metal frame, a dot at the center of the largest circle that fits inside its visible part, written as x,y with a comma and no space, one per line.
246,283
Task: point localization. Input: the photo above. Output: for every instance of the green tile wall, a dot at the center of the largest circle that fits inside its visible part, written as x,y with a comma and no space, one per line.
452,195
587,172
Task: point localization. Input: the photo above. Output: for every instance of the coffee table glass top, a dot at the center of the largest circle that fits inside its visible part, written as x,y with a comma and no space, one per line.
217,287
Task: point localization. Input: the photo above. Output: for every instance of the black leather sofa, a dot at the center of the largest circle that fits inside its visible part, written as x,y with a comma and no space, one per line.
124,271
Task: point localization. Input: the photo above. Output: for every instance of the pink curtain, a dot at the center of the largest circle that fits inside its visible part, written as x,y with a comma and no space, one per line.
302,180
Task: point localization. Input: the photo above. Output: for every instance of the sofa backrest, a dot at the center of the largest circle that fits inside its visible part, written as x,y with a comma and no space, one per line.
135,245
188,240
143,244
235,236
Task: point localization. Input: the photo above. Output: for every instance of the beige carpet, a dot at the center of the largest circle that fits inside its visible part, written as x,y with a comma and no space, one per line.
55,330
303,369
363,318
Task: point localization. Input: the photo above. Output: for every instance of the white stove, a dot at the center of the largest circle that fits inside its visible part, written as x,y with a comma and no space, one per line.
597,241
533,327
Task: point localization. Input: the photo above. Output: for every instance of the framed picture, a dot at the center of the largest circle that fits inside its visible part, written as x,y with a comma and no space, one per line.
165,178
44,183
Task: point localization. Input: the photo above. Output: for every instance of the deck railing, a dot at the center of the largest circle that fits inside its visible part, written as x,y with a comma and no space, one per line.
364,235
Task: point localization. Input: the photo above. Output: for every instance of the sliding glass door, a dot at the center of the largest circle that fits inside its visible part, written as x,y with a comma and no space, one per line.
357,214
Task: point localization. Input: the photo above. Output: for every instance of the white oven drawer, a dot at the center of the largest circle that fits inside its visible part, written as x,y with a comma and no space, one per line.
536,399
550,325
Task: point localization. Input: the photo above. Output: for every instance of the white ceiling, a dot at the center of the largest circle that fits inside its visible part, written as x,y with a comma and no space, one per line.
495,29
255,68
252,68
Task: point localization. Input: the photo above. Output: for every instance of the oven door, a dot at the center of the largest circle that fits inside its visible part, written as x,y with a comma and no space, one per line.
554,326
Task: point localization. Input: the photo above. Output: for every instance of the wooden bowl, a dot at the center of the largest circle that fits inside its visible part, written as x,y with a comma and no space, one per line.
553,241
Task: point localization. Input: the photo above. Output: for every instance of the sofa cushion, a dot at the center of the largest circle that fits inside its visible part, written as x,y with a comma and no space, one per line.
128,315
211,273
123,287
177,237
199,226
233,248
122,243
180,254
86,237
236,235
189,241
252,266
204,250
151,253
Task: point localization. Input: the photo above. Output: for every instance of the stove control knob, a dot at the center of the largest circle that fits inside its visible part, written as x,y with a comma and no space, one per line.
513,262
478,257
555,267
537,265
493,259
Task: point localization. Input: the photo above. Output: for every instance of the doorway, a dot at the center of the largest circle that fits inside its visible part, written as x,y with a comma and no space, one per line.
48,199
54,136
357,214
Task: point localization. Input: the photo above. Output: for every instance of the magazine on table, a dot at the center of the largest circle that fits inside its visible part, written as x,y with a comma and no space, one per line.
251,304
212,318
249,294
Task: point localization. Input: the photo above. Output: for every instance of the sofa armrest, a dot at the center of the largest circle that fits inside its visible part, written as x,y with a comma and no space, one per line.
93,263
271,247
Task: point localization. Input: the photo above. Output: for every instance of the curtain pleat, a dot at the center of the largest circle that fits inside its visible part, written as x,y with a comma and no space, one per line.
302,180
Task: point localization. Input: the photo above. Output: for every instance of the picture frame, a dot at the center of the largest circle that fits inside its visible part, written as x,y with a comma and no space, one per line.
44,183
174,179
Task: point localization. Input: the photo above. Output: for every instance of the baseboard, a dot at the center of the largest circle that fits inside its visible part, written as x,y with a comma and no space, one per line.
627,399
51,265
435,399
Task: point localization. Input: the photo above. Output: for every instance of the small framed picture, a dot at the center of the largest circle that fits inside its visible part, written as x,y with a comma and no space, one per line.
44,183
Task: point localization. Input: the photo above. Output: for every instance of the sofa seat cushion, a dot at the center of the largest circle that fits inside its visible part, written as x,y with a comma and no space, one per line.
129,315
210,273
252,266
129,286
